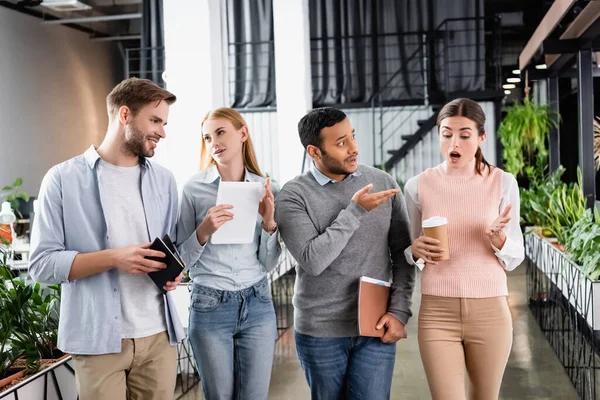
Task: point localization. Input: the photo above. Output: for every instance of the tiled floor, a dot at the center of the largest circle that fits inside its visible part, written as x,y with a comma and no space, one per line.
533,371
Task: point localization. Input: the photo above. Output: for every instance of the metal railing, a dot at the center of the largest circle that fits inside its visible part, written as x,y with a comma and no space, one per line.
456,58
349,69
187,375
282,280
562,300
148,63
464,53
252,74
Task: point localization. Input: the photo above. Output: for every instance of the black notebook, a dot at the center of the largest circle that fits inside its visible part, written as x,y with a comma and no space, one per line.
173,261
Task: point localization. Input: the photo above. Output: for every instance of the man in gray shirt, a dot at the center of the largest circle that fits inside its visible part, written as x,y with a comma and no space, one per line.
342,220
98,213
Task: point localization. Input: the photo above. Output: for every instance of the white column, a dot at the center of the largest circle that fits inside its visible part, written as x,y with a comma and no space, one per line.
293,74
195,72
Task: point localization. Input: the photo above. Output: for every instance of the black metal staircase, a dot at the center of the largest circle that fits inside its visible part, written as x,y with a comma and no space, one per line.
464,49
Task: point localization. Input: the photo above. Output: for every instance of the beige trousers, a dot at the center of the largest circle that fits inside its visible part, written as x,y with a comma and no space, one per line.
145,368
464,344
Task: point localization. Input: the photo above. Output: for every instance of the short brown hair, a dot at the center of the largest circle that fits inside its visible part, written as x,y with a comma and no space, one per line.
468,108
135,93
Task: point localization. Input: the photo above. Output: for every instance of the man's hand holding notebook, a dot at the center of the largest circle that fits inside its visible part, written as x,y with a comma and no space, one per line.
373,320
174,263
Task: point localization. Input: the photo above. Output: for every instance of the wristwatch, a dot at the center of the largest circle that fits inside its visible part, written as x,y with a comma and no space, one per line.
271,229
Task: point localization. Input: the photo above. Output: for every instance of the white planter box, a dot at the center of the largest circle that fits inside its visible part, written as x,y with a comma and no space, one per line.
35,388
583,294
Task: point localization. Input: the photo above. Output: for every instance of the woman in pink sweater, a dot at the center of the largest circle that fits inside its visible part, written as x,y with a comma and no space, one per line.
465,327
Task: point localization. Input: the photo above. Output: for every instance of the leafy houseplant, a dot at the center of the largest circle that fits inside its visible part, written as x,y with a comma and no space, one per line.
583,243
14,195
566,206
8,354
523,133
541,186
37,329
28,322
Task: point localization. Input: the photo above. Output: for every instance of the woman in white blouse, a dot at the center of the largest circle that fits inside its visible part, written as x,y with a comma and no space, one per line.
465,327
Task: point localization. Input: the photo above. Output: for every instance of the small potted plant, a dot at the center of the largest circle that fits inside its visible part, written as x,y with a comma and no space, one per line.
14,195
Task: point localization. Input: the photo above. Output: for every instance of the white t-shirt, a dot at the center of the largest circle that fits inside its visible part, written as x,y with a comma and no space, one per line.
142,306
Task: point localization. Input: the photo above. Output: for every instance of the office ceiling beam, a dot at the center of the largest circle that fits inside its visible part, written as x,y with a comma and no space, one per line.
98,18
116,38
554,15
581,24
569,46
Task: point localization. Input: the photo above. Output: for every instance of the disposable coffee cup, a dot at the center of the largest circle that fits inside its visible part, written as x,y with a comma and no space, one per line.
437,228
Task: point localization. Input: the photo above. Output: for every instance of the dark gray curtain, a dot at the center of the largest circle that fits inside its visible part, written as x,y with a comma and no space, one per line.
251,54
359,46
461,49
152,60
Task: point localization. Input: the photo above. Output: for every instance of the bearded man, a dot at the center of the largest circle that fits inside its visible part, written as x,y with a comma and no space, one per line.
98,213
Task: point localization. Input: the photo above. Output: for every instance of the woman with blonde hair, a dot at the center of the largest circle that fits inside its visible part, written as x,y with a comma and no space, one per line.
465,326
232,327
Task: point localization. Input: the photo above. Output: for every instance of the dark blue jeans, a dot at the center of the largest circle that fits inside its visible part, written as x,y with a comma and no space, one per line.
349,368
233,339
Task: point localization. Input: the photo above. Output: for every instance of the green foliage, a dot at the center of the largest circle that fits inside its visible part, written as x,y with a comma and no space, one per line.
28,320
561,210
583,243
523,134
36,332
8,354
541,186
14,194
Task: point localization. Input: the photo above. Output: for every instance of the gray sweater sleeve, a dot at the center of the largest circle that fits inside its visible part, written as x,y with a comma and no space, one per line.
314,252
403,273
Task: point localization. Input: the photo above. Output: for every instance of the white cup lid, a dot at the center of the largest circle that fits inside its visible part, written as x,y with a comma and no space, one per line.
434,221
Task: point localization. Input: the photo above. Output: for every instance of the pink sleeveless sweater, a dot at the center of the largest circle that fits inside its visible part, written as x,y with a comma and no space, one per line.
470,204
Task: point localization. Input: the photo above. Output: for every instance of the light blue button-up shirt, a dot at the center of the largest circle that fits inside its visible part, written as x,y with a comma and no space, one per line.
323,179
70,220
222,266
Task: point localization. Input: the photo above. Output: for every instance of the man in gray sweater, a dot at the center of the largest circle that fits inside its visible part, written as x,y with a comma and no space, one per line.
342,220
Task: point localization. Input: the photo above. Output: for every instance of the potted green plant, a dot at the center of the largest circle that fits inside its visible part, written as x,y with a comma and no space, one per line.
541,186
8,353
14,195
583,244
28,325
523,133
565,206
37,330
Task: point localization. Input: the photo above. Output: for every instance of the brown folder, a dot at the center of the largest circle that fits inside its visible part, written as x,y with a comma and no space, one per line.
373,298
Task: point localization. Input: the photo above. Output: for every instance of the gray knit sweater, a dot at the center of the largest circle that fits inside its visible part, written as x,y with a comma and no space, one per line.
335,242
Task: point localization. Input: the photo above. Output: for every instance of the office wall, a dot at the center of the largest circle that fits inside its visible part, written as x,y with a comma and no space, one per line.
53,85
